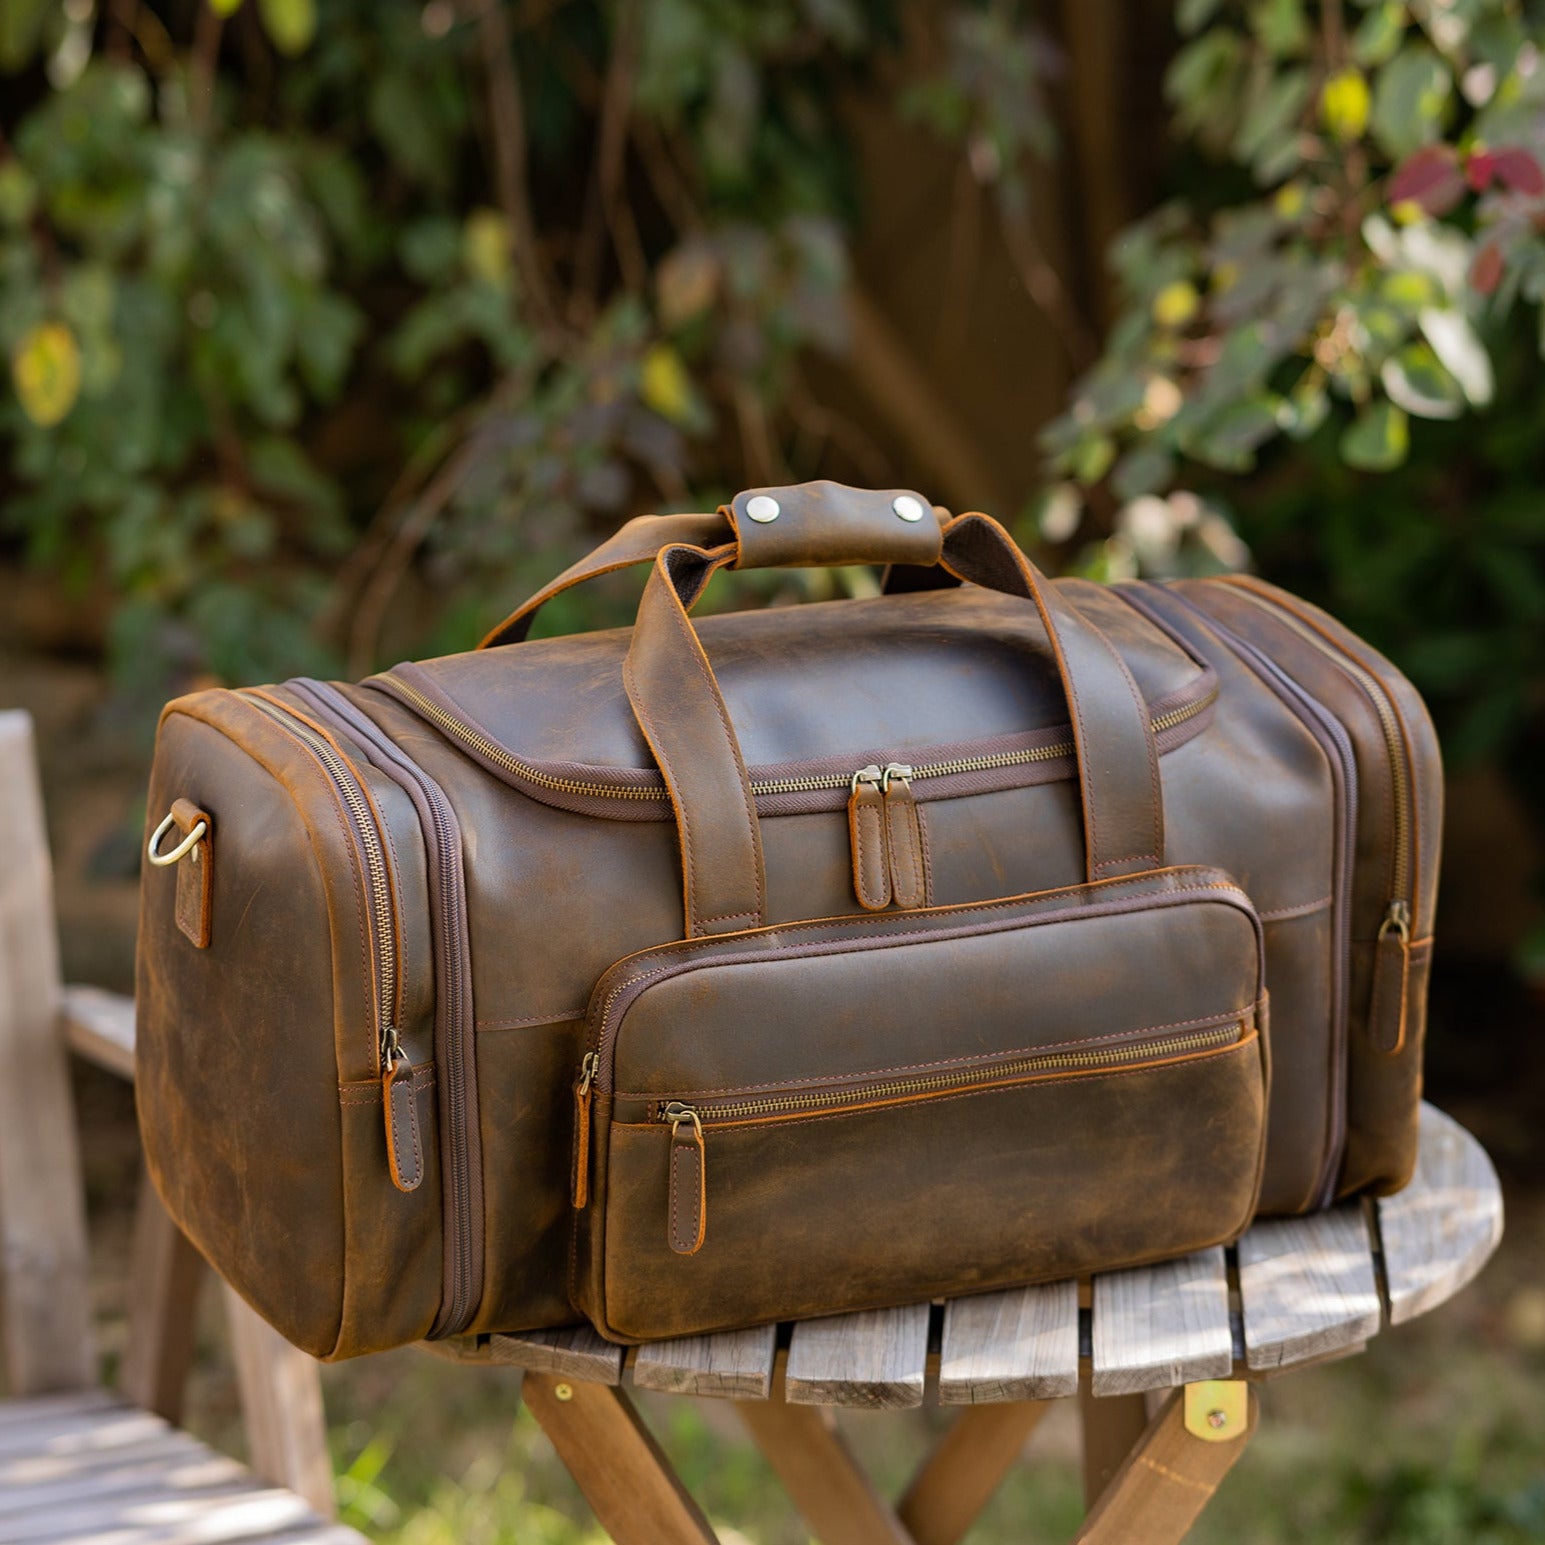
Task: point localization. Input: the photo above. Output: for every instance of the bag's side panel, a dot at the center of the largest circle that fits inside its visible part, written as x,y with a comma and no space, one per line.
237,1094
264,1128
1399,837
1254,796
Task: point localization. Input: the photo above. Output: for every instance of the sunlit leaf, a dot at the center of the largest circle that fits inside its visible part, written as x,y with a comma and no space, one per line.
225,7
486,246
1378,439
1176,304
1379,33
665,385
1454,341
1411,100
1416,381
46,371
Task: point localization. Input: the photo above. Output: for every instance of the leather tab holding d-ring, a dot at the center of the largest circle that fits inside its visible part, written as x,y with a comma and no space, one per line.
195,874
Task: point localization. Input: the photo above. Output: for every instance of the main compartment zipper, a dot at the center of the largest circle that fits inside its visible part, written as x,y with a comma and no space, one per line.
689,1122
489,750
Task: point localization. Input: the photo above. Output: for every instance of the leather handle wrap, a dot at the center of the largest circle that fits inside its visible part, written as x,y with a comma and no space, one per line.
684,719
817,525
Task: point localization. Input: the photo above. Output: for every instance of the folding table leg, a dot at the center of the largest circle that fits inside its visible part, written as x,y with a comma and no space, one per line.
1173,1470
1111,1424
821,1476
616,1462
965,1470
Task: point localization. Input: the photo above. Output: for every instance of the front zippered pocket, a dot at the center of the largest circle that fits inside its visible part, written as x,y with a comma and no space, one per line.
404,1143
691,1120
867,1100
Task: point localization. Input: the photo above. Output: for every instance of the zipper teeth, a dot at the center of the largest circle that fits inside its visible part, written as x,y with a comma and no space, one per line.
1393,743
819,1099
458,730
379,888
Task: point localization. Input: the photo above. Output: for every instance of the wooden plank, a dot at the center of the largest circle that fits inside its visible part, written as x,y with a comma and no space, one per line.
25,1413
281,1405
615,1462
1019,1345
140,1468
737,1364
45,1301
570,1352
164,1281
1439,1231
99,1026
966,1468
66,1433
823,1480
1156,1327
165,1516
1307,1286
875,1359
1166,1481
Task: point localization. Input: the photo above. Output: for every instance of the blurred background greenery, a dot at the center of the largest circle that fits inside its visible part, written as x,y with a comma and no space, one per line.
335,326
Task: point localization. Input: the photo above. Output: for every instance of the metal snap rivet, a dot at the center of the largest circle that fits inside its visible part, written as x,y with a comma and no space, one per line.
1217,1419
907,507
763,508
563,1391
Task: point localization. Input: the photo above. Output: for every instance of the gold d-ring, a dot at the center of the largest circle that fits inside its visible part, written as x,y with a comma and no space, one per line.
187,844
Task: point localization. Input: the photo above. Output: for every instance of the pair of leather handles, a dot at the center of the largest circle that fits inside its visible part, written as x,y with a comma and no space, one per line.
683,717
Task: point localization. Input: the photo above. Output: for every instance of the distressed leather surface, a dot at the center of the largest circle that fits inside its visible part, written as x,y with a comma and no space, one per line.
260,1090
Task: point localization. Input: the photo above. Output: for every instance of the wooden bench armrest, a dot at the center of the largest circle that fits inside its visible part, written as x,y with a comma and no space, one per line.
99,1026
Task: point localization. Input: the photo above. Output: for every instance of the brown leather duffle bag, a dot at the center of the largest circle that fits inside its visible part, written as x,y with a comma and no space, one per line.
809,959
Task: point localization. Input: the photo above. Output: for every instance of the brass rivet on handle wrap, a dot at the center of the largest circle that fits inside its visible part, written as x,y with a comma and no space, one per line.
763,508
907,507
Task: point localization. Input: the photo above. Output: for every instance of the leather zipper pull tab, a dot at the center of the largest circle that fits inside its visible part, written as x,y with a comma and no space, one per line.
1389,1003
866,831
686,1221
399,1104
903,837
584,1094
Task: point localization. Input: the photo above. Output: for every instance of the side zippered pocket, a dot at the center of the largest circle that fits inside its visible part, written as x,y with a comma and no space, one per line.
455,1051
404,1142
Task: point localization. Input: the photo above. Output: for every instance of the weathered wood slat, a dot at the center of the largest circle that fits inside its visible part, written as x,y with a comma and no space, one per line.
169,1517
45,1303
36,1408
736,1364
68,1433
1019,1345
877,1358
1156,1327
1307,1286
138,1469
43,1467
99,1026
1439,1231
571,1352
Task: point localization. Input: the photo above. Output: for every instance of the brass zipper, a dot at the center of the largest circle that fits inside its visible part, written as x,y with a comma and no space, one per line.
456,729
378,888
799,1101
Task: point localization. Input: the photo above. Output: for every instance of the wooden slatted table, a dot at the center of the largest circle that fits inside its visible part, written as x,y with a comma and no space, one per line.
1205,1328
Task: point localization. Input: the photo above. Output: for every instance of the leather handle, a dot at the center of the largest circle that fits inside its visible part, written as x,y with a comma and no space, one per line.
807,525
682,714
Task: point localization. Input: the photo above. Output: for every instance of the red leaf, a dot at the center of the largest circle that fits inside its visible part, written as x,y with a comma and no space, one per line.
1520,171
1480,169
1429,177
1486,270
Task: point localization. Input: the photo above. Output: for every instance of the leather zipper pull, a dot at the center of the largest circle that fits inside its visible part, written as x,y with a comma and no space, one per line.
686,1221
399,1103
903,837
584,1094
1388,1006
866,830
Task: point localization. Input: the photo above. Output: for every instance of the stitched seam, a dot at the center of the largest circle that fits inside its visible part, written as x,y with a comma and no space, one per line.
1175,1476
922,840
1303,909
1018,1086
903,856
728,917
900,934
864,818
1242,1014
678,1186
563,1016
